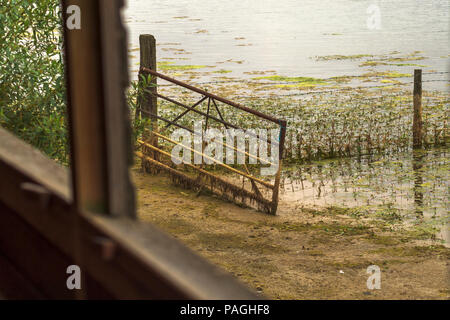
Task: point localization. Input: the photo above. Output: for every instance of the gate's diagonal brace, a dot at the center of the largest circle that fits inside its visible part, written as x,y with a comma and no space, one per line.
185,113
190,109
205,115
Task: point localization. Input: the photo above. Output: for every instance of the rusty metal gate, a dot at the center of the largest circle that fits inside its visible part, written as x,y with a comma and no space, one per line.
262,194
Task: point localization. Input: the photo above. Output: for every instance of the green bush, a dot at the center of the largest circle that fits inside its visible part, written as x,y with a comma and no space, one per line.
32,87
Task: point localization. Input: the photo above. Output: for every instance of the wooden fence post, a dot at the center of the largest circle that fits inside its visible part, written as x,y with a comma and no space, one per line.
417,122
147,44
148,102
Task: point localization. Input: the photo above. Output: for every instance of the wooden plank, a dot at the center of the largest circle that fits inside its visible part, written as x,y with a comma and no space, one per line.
114,42
23,158
13,284
21,164
37,259
170,270
86,109
146,264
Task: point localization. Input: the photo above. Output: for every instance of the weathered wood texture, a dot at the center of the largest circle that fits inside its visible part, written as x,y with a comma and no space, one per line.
149,103
86,109
45,227
121,200
120,257
148,100
417,121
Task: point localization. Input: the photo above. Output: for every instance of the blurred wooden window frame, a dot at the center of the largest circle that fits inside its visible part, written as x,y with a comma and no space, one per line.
51,218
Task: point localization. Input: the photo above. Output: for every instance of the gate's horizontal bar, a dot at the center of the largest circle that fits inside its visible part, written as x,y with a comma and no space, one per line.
195,133
218,162
213,96
265,162
266,203
266,184
225,123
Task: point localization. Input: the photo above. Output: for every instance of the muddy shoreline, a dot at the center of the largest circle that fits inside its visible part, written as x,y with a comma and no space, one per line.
301,253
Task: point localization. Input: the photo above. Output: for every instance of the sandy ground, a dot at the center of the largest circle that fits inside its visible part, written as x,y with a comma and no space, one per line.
299,254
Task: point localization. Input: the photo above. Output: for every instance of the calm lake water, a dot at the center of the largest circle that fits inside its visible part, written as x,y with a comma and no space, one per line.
284,36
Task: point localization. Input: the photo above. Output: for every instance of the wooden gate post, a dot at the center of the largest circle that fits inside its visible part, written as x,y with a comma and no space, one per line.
149,105
417,122
276,190
148,102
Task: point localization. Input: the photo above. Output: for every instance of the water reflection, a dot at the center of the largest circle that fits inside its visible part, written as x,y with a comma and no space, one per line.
407,187
418,156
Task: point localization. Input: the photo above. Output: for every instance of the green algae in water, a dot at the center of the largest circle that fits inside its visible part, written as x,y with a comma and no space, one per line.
297,86
409,58
170,66
302,80
373,63
222,71
409,65
387,74
342,57
389,81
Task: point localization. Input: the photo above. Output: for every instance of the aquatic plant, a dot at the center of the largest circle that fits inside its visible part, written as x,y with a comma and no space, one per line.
326,125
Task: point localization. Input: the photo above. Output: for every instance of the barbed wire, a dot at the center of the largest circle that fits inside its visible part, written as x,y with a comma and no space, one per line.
296,82
257,82
437,72
324,91
313,92
436,80
275,95
309,93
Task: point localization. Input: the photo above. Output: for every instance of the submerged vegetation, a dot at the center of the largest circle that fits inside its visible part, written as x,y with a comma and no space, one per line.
356,122
403,190
342,57
169,66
